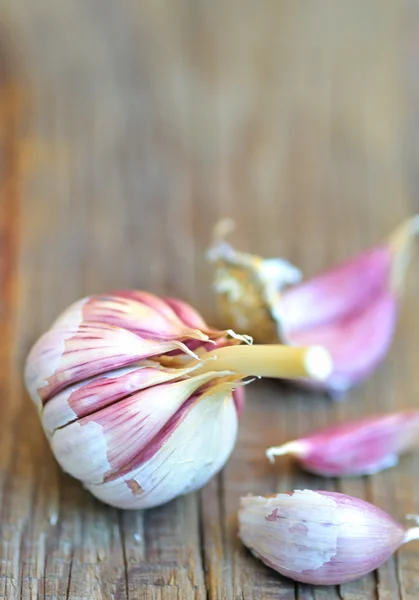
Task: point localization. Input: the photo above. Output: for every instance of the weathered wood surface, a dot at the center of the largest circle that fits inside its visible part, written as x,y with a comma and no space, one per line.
126,130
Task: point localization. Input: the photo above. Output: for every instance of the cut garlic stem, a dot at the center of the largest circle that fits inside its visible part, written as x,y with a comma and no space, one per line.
271,361
400,244
413,518
296,448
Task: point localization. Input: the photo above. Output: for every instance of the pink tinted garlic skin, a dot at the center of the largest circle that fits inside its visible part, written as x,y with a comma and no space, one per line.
139,397
360,447
319,537
351,310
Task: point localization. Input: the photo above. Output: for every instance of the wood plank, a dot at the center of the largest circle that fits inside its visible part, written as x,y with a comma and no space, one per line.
126,131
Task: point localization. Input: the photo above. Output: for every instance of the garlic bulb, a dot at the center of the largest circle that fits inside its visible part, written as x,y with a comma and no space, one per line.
139,397
360,447
351,309
319,537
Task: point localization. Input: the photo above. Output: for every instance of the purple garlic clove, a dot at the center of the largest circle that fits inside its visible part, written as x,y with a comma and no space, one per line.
319,537
351,309
360,447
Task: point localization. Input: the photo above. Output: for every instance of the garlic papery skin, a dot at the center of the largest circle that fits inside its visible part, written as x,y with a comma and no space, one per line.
140,412
360,447
351,309
181,459
319,537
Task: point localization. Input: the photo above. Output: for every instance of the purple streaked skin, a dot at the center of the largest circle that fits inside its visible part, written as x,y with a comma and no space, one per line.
103,333
140,313
320,537
66,355
177,461
128,426
359,447
89,396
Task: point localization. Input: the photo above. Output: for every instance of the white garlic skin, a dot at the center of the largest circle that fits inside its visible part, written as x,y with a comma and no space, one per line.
318,537
197,449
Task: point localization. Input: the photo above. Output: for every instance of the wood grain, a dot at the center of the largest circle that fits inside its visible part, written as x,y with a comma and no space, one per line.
127,129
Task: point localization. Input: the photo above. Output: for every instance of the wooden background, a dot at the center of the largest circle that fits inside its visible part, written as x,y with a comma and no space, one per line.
127,128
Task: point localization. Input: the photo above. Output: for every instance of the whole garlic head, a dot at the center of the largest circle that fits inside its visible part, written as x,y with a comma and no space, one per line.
122,403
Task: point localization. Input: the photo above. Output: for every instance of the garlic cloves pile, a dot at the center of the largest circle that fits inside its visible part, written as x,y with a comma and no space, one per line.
139,397
320,537
351,309
360,447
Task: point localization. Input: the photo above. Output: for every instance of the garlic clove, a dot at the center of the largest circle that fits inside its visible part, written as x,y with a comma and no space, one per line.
338,292
357,343
65,355
360,447
116,434
193,446
129,312
86,397
350,310
319,537
184,320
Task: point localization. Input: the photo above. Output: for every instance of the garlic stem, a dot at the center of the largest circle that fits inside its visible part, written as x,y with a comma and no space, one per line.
410,535
400,243
295,447
413,518
270,361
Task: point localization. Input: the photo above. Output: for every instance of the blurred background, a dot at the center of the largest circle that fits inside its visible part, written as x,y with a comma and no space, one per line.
145,122
127,130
